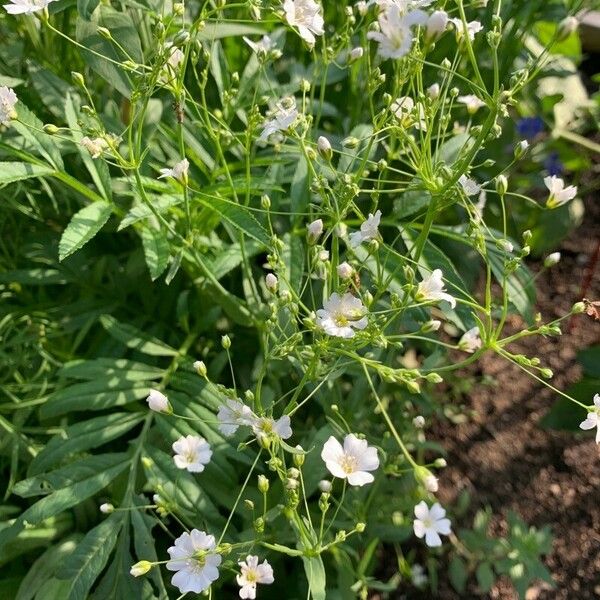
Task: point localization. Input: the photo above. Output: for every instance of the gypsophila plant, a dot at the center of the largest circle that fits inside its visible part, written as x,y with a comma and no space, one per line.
259,236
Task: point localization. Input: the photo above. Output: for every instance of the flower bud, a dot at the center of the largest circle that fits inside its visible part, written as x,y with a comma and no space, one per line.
360,527
200,367
431,483
263,484
351,142
345,271
77,78
181,38
552,259
566,27
521,148
433,91
107,508
265,202
324,148
434,378
140,568
501,184
436,25
505,245
271,282
178,8
51,129
546,373
249,504
431,326
440,463
291,483
104,32
325,486
355,54
158,402
578,308
226,342
315,229
419,422
299,458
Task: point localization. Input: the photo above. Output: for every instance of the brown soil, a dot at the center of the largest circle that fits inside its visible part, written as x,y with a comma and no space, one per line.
506,460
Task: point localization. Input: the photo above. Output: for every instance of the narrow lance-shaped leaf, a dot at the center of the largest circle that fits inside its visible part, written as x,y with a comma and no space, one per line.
84,225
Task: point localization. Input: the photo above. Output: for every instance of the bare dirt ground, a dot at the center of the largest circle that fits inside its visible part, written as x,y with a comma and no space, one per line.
505,459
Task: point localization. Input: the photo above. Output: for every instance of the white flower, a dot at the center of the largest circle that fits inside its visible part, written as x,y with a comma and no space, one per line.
432,288
352,461
505,245
369,230
472,102
158,402
552,259
281,118
341,315
195,561
395,36
430,522
559,194
22,7
264,427
356,53
95,147
469,186
436,24
345,271
419,422
232,414
107,508
361,7
191,453
271,282
473,27
480,206
315,229
404,110
306,16
593,419
431,483
179,171
174,60
261,48
470,341
417,576
433,91
251,574
8,99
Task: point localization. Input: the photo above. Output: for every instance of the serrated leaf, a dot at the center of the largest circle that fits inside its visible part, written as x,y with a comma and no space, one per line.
88,560
136,339
156,251
17,171
84,225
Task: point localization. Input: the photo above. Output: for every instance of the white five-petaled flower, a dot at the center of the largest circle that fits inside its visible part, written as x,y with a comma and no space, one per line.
191,453
469,186
281,118
369,230
559,194
432,288
251,574
395,36
95,147
262,47
470,341
158,402
306,16
194,558
472,28
179,171
232,415
352,461
341,315
8,99
265,427
26,7
593,419
408,113
436,24
472,102
430,522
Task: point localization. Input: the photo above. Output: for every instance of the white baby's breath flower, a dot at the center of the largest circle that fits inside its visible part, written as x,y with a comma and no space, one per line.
8,99
95,147
470,341
436,25
369,230
179,171
432,288
281,118
26,7
356,54
266,427
472,28
251,574
341,315
559,194
352,461
395,35
430,523
192,453
469,186
431,483
232,415
472,102
306,16
158,402
262,47
408,113
344,270
593,419
194,558
433,91
174,60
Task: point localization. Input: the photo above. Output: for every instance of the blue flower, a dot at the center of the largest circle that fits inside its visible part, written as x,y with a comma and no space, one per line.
553,165
529,127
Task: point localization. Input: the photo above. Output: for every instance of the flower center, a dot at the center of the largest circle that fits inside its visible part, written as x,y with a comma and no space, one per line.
251,576
427,522
349,464
341,320
190,456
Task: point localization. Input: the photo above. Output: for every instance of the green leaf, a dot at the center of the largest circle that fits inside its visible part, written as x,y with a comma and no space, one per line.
213,31
61,500
86,7
156,251
240,217
17,171
84,225
315,573
109,368
142,211
34,277
485,576
566,415
88,560
300,192
458,574
136,339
